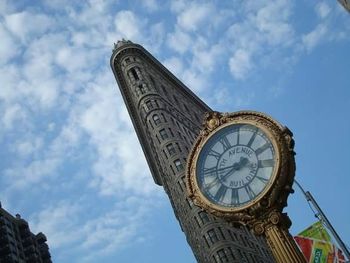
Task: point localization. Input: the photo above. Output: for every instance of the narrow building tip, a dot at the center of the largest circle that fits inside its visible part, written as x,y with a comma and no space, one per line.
121,43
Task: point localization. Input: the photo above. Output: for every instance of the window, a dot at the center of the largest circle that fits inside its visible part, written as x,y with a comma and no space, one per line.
158,139
156,119
134,73
140,90
203,217
149,104
221,233
163,134
171,149
178,165
212,237
221,256
127,60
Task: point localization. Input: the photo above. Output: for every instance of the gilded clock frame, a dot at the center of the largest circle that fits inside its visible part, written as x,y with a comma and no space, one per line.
274,196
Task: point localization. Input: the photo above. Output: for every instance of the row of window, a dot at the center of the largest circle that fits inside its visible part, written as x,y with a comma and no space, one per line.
182,127
224,255
157,120
135,75
130,59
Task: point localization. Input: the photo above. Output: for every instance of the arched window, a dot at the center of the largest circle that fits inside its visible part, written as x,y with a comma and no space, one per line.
140,90
134,74
171,149
156,119
163,134
178,165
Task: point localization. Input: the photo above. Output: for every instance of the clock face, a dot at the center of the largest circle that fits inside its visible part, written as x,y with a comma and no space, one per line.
236,165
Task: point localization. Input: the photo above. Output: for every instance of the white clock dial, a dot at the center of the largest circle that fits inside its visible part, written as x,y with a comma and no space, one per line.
235,165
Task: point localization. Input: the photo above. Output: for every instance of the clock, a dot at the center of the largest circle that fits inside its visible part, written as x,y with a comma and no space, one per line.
241,162
236,165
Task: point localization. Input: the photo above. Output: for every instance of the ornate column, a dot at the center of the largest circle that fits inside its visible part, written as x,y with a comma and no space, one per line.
275,227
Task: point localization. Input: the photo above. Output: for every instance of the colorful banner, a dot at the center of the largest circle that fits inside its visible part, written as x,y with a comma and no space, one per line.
316,231
316,245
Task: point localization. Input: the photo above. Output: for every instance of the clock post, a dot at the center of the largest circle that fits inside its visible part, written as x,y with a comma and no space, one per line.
241,168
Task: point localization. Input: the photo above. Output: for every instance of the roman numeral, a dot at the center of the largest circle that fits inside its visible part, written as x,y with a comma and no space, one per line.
234,197
250,192
252,139
220,194
237,136
212,184
214,154
210,171
225,143
266,163
262,148
262,179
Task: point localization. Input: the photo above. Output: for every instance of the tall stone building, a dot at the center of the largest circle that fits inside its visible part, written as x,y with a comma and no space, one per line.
167,117
18,244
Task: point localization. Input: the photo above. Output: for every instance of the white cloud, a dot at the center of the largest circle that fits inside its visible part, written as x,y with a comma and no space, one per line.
265,28
179,41
12,114
29,146
240,64
127,25
26,25
197,82
178,5
150,5
194,16
6,7
102,233
60,228
120,165
322,9
312,39
205,58
74,59
9,47
22,177
175,65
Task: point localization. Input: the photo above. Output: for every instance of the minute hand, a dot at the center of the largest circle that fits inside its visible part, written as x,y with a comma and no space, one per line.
236,166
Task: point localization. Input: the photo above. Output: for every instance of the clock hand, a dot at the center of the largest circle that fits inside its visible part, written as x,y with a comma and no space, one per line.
236,166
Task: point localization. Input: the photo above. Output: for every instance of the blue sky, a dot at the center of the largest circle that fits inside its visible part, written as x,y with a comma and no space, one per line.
70,161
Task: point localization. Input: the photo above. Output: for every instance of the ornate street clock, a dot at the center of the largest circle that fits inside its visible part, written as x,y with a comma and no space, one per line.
242,168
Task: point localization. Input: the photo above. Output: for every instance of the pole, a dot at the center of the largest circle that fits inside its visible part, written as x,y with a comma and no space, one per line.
310,198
